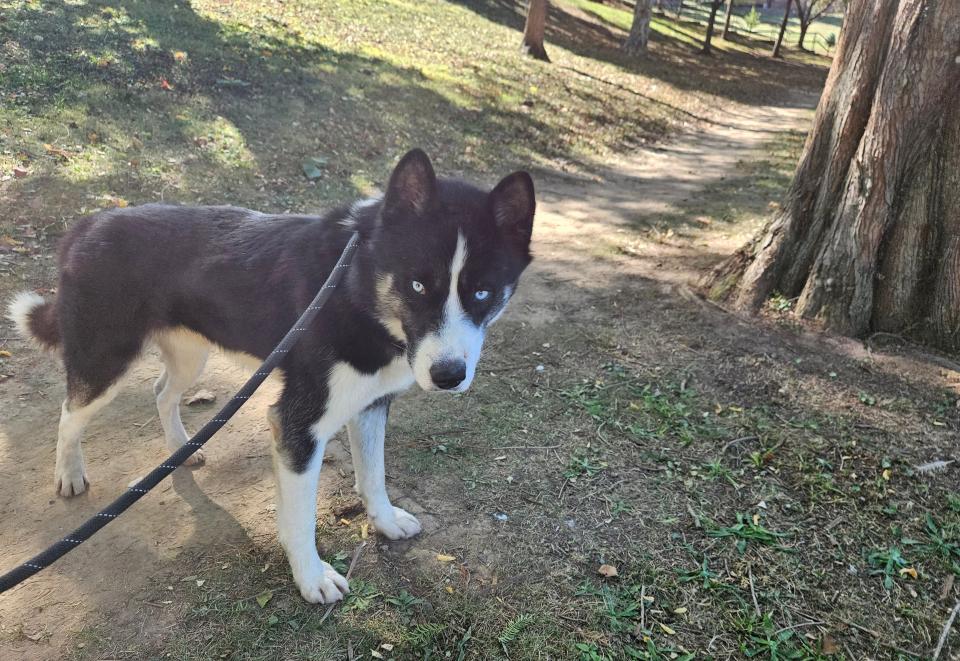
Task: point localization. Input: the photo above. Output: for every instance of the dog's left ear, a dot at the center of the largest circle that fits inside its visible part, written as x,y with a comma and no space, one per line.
514,202
412,185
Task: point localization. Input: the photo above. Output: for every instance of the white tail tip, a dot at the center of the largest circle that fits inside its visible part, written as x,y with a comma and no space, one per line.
19,311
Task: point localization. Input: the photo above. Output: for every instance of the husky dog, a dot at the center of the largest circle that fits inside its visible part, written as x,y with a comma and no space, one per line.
438,261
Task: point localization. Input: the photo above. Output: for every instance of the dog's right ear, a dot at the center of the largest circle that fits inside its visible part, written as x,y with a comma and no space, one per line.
412,186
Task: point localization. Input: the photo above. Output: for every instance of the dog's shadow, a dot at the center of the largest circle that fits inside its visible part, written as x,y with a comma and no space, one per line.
214,524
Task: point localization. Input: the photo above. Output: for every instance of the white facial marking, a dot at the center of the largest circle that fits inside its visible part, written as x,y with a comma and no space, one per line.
458,338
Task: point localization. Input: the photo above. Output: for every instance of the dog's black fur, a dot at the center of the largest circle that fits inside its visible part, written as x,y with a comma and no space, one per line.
438,261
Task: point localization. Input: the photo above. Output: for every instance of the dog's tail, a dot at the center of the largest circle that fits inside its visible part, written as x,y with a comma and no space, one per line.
35,319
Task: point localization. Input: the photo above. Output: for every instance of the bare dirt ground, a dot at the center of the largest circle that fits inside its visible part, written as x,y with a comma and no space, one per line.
598,248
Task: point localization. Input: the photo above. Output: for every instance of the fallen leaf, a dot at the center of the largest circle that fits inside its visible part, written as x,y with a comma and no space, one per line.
607,571
200,582
679,611
165,85
909,571
387,646
886,474
947,587
449,589
20,173
5,354
828,646
201,397
445,558
179,56
667,630
313,167
364,530
376,655
264,598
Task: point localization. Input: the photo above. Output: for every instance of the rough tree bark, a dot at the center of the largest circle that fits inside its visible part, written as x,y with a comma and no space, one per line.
726,19
783,28
714,6
636,42
534,29
868,238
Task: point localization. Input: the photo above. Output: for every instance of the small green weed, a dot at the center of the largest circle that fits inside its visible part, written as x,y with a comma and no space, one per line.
747,530
887,563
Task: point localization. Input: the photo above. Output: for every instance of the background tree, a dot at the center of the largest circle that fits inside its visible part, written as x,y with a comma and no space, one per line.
714,6
807,12
534,29
868,238
726,19
636,42
783,29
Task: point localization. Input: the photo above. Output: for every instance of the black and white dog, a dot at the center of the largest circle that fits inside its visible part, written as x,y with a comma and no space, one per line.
437,264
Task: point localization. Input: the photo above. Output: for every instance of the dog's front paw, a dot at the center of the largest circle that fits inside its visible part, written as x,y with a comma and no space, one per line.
396,523
322,585
71,480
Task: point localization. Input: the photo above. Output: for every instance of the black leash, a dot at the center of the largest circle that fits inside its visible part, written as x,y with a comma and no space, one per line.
134,493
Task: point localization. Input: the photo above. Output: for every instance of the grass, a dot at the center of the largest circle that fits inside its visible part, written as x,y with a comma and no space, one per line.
755,496
689,27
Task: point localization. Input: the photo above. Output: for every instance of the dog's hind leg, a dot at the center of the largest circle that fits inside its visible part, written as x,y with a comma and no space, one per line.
70,471
366,432
184,354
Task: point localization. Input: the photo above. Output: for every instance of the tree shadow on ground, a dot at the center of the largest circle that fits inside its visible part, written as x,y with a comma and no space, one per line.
741,77
136,99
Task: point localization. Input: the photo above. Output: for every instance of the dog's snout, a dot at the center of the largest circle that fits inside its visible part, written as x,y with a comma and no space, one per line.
448,374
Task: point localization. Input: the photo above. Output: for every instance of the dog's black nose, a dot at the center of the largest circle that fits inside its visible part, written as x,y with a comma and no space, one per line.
448,374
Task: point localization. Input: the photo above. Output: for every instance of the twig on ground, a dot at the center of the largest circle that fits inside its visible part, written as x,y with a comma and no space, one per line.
753,592
879,638
643,608
353,563
946,631
735,441
526,447
814,623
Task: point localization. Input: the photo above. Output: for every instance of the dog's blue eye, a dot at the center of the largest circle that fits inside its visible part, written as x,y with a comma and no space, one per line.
481,295
418,287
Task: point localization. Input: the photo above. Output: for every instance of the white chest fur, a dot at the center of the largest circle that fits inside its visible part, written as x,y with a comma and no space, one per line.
351,391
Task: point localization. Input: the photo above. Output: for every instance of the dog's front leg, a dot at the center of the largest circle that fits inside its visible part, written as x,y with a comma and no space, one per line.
366,432
298,456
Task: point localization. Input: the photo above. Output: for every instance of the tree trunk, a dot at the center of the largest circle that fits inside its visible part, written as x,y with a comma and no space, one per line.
636,42
726,20
680,9
804,25
534,29
868,238
783,28
714,6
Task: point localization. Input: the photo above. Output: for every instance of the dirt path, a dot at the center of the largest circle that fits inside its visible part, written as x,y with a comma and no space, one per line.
581,223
